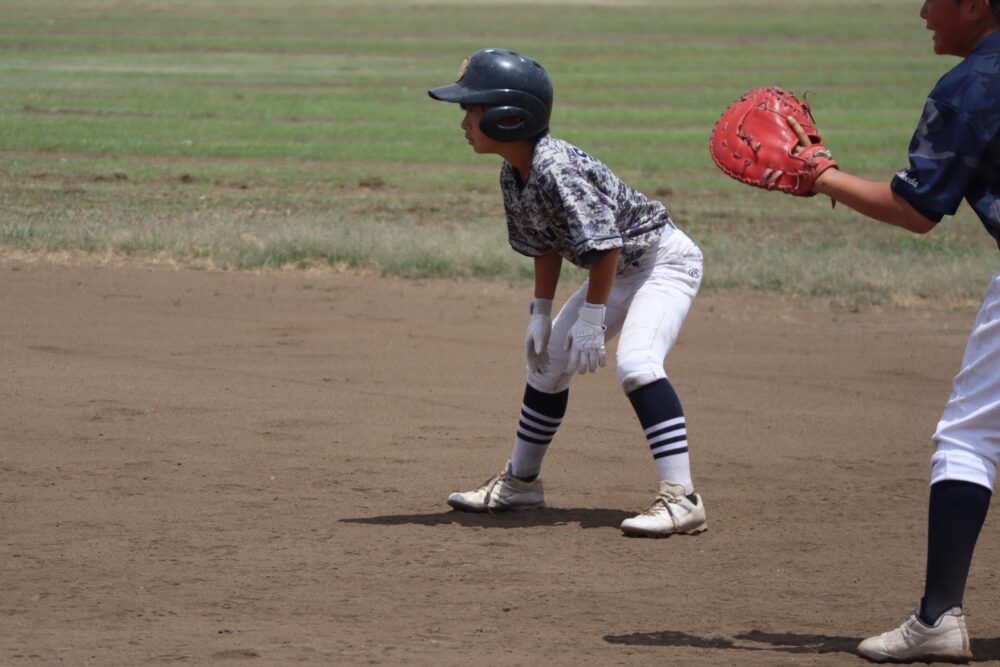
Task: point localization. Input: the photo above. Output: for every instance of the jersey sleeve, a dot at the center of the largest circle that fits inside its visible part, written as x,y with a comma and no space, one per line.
945,154
588,213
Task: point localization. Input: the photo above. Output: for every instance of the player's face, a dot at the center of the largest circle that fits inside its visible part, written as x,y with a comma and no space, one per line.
470,123
951,30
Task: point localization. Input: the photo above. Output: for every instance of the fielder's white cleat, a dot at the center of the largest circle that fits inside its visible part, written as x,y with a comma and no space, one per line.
501,493
945,641
672,512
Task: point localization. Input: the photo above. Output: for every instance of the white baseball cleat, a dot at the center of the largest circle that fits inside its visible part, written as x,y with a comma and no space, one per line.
672,512
501,493
945,641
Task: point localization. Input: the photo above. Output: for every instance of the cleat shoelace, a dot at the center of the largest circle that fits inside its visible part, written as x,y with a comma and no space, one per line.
491,484
664,501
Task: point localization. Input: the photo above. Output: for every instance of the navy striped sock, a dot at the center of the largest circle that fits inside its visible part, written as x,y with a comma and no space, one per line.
539,420
662,418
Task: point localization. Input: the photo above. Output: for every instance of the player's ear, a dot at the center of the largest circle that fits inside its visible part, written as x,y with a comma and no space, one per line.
977,10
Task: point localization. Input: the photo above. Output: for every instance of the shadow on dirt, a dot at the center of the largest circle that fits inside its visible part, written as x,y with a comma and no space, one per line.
983,650
585,517
754,640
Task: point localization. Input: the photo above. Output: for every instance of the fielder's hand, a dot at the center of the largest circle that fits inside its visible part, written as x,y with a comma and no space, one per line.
536,342
585,340
768,138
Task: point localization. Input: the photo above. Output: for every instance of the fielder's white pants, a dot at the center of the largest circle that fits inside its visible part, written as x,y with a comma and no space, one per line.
968,434
647,306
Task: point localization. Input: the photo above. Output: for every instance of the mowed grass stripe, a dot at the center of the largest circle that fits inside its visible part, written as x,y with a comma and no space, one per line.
267,133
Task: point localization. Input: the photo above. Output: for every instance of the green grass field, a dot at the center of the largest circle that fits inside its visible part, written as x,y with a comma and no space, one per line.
263,133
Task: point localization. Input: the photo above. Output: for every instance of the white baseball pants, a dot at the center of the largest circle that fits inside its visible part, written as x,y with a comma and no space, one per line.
647,306
968,434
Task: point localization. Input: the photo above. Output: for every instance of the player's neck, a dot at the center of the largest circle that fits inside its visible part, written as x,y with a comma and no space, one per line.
979,36
519,154
979,31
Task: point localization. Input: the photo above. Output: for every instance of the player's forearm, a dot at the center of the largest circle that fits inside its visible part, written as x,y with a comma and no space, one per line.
547,270
873,199
602,277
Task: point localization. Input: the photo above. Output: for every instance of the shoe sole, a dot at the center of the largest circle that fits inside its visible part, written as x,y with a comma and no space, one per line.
482,509
639,532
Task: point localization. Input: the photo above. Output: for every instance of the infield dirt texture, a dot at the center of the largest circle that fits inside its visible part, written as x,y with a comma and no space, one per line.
251,468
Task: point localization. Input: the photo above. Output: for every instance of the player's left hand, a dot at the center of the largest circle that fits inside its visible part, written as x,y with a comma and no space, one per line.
585,340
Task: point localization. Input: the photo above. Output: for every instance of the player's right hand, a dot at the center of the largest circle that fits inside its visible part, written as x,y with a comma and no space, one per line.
536,342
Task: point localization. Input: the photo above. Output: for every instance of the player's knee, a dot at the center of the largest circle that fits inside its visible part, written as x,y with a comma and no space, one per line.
549,383
636,371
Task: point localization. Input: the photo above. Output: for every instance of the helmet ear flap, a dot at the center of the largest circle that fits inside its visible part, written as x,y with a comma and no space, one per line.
496,123
532,115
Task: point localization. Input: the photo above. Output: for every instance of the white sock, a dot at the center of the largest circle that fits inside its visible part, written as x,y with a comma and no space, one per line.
668,444
534,433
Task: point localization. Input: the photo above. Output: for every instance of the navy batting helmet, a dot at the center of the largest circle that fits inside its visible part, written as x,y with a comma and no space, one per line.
513,85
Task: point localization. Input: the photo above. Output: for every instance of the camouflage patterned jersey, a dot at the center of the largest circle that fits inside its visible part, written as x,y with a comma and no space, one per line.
955,151
575,205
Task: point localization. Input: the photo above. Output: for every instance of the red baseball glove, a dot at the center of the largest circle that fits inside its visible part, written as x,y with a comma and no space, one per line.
756,141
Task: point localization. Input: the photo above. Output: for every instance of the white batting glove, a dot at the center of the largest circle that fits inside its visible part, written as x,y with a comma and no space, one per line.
585,340
536,342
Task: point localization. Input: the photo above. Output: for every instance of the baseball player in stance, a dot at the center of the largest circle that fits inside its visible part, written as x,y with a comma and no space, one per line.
954,155
561,203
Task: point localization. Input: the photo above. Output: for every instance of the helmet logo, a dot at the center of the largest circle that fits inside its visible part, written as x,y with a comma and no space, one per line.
461,70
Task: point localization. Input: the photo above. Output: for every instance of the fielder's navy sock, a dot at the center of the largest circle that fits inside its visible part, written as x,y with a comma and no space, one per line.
662,418
540,417
955,516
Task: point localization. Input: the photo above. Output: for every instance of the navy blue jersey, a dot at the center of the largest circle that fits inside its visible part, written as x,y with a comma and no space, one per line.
573,204
955,150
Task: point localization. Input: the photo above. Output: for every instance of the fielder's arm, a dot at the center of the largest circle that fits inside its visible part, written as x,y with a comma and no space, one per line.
873,199
870,198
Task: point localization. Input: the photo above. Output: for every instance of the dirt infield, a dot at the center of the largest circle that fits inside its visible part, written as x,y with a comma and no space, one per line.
233,468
